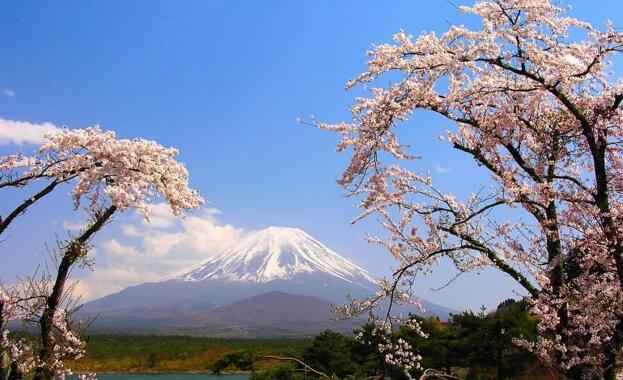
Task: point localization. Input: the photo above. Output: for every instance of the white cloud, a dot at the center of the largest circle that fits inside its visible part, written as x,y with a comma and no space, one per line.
440,169
22,132
71,226
130,230
81,290
9,92
114,249
104,281
152,251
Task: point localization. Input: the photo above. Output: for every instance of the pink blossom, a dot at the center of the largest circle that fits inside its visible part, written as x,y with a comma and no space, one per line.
541,113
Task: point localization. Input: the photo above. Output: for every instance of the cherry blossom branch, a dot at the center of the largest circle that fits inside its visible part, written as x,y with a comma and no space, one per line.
497,261
4,223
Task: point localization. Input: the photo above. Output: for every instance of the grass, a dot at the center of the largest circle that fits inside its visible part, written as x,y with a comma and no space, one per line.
159,354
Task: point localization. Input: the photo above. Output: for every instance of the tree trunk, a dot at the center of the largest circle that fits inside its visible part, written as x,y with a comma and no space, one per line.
612,351
73,252
46,322
583,372
4,370
500,368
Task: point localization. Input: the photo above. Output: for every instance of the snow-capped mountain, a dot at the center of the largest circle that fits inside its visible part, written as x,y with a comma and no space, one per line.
270,273
277,253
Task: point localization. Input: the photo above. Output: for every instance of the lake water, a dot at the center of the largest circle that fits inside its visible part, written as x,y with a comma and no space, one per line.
171,376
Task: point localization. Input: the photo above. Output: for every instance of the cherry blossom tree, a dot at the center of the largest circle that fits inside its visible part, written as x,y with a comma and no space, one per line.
533,102
25,303
113,175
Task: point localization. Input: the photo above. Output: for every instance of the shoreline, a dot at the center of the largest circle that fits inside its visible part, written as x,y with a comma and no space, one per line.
226,373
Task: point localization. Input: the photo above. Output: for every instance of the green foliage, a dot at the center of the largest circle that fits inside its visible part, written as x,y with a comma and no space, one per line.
330,352
482,343
240,359
152,360
5,365
285,371
370,362
474,345
438,350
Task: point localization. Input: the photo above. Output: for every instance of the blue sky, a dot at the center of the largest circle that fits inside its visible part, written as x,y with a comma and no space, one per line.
225,81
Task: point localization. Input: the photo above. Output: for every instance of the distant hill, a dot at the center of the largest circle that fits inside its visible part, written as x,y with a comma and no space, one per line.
278,281
268,309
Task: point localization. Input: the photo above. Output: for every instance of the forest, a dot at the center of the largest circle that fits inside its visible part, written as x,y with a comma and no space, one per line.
473,345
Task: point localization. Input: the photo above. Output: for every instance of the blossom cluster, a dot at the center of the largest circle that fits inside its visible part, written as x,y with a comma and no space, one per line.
130,172
396,351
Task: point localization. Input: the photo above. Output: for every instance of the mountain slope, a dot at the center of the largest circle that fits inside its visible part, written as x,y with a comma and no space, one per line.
273,261
277,253
268,309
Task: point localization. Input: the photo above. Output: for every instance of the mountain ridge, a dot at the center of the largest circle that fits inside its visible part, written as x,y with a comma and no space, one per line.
270,308
279,265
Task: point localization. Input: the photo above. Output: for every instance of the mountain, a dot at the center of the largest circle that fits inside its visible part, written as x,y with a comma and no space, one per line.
273,314
277,254
232,293
270,308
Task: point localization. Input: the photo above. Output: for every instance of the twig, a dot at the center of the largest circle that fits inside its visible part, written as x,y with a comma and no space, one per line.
433,373
287,358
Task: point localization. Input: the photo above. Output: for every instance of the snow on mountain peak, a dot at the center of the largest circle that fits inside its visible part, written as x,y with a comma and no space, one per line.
276,253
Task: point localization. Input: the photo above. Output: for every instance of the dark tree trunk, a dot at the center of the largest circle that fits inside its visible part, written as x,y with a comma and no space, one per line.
612,351
583,372
15,374
500,368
